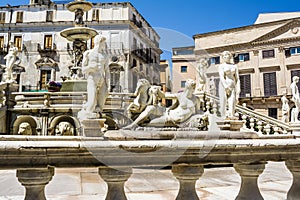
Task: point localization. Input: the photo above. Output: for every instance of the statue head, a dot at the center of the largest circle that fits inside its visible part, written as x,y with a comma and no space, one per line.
190,84
295,79
142,84
64,128
203,63
99,40
227,57
24,129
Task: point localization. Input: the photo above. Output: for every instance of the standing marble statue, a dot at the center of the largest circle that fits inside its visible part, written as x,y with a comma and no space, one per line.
95,68
201,76
295,99
285,108
10,58
229,87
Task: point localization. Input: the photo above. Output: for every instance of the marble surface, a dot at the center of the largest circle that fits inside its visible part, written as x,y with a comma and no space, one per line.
215,184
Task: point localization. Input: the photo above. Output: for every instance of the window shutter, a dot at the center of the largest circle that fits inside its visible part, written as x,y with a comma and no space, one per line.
245,85
270,85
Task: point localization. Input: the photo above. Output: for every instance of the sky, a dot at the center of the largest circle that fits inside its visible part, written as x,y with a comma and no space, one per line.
177,21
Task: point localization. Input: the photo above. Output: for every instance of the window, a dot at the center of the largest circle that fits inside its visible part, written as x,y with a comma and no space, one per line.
183,69
19,17
133,63
95,15
44,79
115,81
244,57
272,112
2,17
48,42
1,42
268,54
294,50
214,60
245,82
270,85
18,42
134,47
182,84
49,16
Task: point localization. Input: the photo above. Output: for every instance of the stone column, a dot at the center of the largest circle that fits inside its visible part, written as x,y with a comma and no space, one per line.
249,173
294,192
187,175
115,179
34,180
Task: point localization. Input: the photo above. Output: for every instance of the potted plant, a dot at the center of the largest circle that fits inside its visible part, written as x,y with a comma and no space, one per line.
53,86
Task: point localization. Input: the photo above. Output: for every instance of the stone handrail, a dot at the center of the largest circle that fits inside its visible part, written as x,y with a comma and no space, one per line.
35,158
258,119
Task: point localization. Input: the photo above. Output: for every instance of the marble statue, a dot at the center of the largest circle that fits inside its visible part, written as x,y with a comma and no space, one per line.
96,70
10,58
202,65
285,108
229,87
295,99
149,99
25,129
64,128
187,104
212,86
140,102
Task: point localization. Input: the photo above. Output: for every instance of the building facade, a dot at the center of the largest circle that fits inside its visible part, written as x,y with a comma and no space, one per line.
183,67
133,45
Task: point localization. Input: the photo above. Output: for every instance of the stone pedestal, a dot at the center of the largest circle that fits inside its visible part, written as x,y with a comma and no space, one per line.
295,128
232,125
294,192
94,127
249,173
115,179
34,180
74,86
187,176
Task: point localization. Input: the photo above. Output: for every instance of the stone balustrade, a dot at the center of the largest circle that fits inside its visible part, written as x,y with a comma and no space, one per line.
34,158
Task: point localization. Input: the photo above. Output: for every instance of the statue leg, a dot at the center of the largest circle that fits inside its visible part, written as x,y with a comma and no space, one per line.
102,94
223,100
231,104
91,99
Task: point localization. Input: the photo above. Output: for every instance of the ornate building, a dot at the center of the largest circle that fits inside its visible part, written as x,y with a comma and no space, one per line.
132,43
267,55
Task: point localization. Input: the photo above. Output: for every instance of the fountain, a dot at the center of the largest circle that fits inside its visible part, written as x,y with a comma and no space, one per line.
78,34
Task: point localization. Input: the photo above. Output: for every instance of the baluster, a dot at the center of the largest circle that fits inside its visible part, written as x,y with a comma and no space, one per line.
187,174
215,108
34,180
260,127
249,174
244,119
294,192
207,107
252,124
276,130
115,180
267,128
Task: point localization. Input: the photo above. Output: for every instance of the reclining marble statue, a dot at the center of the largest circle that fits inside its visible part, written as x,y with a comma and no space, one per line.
295,99
182,113
229,86
96,70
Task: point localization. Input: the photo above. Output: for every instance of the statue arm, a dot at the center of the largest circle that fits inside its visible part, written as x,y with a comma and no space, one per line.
85,60
221,75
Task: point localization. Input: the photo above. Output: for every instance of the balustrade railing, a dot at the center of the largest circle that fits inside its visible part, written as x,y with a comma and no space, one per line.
254,121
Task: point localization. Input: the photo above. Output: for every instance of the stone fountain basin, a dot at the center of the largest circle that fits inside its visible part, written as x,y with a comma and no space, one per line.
78,33
83,5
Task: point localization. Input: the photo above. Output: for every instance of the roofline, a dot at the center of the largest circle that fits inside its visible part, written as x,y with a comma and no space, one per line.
187,47
242,28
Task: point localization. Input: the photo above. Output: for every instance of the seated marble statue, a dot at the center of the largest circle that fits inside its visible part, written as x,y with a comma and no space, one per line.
229,87
201,76
24,129
140,102
96,70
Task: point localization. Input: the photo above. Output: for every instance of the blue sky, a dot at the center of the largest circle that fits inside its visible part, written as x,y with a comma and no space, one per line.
177,21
